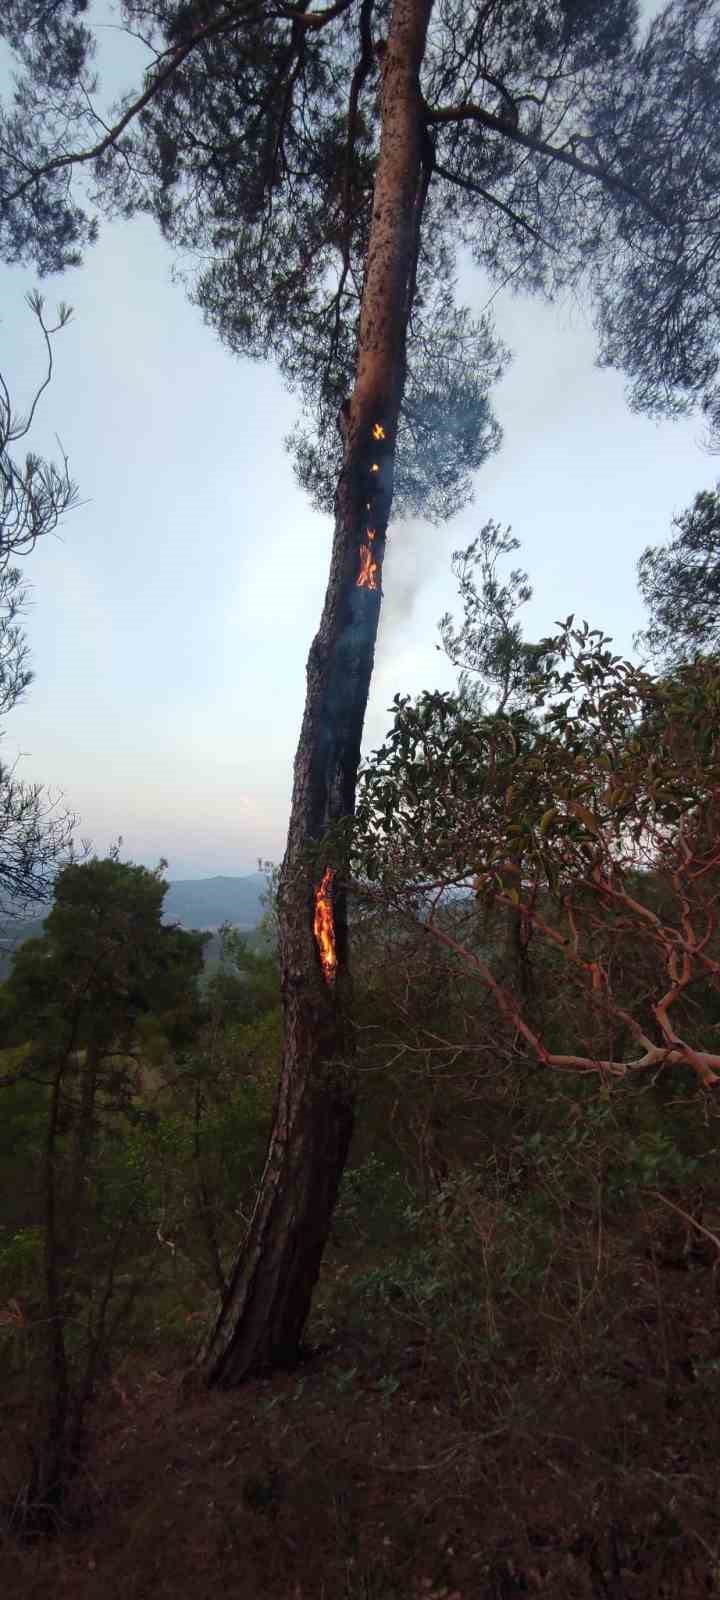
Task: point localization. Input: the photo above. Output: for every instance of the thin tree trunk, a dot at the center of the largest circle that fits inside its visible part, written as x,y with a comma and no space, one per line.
39,1506
266,1307
83,1142
40,1502
204,1202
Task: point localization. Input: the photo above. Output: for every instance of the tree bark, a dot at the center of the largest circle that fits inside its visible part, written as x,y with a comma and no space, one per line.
264,1312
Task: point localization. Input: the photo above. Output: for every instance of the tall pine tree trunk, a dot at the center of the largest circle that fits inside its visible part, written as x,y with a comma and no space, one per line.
266,1307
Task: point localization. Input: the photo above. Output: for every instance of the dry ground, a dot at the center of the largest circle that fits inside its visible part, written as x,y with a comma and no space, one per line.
583,1465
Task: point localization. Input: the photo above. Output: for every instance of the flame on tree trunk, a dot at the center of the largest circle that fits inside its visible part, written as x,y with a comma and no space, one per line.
368,575
264,1312
324,926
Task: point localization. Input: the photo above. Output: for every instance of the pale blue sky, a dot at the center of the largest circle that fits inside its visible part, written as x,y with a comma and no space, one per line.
171,621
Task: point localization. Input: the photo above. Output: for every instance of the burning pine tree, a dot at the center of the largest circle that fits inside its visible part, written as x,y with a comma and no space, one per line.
329,160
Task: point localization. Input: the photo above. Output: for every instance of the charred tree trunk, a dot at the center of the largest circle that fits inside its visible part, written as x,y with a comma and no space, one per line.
265,1309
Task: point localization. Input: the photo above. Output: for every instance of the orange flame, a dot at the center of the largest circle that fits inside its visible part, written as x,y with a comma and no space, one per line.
375,466
324,926
378,431
368,574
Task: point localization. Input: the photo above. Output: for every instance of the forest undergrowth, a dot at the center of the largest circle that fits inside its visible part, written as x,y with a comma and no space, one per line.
513,1368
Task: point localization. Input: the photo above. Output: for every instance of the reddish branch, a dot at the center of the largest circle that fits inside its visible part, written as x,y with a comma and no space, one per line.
683,954
674,1052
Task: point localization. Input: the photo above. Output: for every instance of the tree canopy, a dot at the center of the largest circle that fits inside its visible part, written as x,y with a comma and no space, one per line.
680,584
567,814
564,147
104,960
489,648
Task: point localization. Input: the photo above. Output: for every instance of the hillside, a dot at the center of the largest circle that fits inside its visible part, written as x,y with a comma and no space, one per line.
208,902
191,902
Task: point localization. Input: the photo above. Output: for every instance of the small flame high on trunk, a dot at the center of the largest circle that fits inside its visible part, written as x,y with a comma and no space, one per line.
324,926
368,575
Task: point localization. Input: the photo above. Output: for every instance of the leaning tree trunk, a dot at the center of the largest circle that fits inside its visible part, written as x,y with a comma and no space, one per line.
265,1309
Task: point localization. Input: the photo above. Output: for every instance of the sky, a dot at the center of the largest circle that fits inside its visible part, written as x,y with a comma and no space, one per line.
171,618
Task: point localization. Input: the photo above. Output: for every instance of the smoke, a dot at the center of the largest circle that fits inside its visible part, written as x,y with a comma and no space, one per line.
416,554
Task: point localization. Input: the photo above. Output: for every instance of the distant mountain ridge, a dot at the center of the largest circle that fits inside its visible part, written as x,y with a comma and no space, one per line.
208,902
191,902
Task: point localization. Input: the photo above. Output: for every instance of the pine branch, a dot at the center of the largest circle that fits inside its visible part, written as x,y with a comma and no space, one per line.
469,112
492,199
209,30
